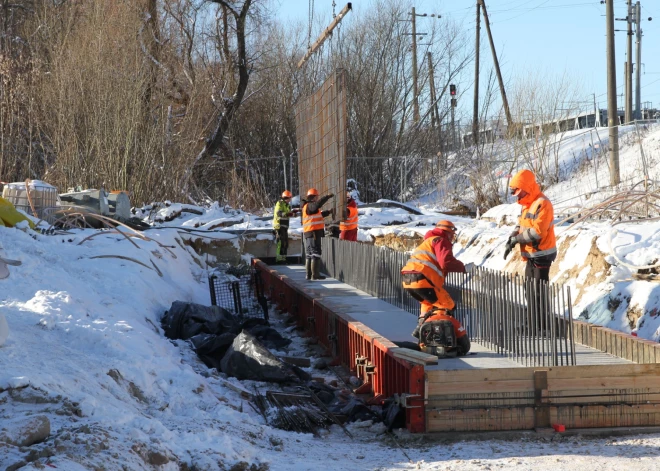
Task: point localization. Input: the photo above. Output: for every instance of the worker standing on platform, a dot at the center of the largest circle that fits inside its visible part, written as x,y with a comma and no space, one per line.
535,232
281,216
313,231
424,274
349,228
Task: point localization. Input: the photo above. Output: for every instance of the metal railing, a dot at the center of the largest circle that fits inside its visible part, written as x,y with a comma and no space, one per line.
528,321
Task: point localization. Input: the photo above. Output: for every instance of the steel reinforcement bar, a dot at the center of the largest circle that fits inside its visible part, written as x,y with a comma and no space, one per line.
369,356
529,321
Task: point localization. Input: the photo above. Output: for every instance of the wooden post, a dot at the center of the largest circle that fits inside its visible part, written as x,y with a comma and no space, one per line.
612,113
475,113
414,69
505,102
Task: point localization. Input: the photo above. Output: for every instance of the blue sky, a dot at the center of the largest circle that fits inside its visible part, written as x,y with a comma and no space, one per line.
538,34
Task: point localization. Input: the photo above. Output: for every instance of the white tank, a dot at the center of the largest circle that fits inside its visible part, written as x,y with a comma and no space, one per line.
37,194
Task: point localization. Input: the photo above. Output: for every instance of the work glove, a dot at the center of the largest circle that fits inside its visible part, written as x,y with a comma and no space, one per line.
469,267
510,244
331,195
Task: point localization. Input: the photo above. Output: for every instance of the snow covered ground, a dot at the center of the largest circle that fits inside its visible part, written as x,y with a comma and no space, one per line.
85,350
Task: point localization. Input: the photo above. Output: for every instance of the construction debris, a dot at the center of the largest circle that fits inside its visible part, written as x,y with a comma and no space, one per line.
293,412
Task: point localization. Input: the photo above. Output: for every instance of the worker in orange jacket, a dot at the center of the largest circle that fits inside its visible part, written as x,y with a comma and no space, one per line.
313,231
535,232
423,275
349,228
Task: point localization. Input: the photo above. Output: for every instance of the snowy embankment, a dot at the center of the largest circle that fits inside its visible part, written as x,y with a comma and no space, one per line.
88,366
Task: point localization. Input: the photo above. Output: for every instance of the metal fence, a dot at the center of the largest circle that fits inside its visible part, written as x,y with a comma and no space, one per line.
321,130
242,296
529,322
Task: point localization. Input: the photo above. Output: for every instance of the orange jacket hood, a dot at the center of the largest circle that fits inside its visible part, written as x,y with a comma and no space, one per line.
526,181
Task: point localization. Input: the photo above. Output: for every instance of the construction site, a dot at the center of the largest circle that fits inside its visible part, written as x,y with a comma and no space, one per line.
486,298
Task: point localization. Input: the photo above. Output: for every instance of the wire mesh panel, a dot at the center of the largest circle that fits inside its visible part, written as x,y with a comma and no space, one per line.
529,321
321,130
241,292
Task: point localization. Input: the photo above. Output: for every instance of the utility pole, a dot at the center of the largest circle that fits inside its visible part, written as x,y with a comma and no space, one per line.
612,114
475,113
414,69
629,70
625,92
638,93
505,102
453,123
434,98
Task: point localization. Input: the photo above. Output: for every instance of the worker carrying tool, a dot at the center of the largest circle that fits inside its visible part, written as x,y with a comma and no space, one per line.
423,276
281,216
349,228
313,230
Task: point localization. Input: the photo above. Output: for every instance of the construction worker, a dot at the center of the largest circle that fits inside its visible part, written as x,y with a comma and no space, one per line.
281,216
424,274
535,231
349,228
313,230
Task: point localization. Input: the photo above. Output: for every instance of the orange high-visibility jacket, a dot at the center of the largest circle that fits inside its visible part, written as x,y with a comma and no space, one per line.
351,221
423,261
536,232
312,222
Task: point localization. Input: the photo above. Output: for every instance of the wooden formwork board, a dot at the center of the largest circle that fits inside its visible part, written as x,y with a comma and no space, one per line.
621,395
617,343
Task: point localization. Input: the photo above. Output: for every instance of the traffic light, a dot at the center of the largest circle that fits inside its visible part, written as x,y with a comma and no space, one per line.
452,89
453,102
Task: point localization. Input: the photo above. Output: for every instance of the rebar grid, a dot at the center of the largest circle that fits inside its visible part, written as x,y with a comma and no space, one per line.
529,322
321,130
242,296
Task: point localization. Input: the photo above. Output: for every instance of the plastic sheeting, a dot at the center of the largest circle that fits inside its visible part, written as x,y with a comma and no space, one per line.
248,358
185,320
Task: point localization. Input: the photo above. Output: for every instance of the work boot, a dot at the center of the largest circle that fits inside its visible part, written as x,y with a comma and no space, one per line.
420,322
316,269
308,269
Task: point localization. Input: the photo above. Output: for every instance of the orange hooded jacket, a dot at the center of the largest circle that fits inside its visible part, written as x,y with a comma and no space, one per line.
536,230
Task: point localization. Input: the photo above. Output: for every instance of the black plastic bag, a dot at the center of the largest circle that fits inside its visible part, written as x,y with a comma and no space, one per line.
212,348
355,410
394,416
185,320
270,337
247,358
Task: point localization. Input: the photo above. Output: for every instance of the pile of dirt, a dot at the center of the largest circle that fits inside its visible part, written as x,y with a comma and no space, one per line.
595,260
401,243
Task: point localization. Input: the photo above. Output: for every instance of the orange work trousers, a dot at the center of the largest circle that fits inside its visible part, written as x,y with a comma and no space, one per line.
429,296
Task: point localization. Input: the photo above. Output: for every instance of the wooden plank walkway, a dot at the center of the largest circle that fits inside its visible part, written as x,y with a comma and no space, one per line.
396,324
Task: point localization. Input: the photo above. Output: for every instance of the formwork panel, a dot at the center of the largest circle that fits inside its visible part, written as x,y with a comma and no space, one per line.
479,420
619,395
386,373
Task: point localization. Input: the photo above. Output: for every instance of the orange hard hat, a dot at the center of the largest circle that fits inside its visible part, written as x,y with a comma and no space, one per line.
448,225
312,192
287,194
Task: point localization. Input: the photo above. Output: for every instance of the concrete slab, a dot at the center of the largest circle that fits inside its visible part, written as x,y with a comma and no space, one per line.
396,324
